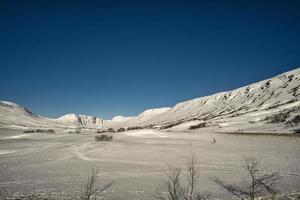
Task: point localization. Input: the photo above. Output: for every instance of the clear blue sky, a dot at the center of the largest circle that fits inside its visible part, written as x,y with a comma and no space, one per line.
113,58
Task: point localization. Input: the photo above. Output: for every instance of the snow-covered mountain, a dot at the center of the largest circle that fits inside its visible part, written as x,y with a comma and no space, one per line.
267,106
80,120
15,116
140,120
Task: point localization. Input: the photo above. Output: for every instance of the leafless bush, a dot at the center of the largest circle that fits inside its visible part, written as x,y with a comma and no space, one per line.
121,130
174,188
39,131
295,173
294,121
278,118
4,193
89,191
134,128
170,125
101,131
76,132
200,125
103,137
111,130
256,183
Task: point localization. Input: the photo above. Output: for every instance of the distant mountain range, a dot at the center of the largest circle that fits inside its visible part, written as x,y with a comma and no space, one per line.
271,105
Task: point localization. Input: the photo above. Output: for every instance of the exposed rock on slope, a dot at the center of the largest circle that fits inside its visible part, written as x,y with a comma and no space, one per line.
80,120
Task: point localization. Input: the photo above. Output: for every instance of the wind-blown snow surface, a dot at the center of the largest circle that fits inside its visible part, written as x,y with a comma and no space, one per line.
267,106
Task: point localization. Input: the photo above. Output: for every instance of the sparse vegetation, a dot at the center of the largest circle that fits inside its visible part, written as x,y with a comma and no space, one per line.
295,173
256,183
101,131
121,130
36,195
294,121
170,125
174,188
103,137
89,191
111,130
278,118
200,125
76,132
134,128
39,131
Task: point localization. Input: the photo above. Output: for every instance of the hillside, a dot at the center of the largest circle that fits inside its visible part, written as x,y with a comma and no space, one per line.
270,105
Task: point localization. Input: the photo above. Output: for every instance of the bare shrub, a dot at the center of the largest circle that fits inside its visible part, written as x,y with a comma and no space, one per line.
90,191
103,137
256,183
170,125
110,130
278,118
28,131
174,188
121,130
200,125
134,128
39,131
76,131
101,131
5,193
295,173
294,121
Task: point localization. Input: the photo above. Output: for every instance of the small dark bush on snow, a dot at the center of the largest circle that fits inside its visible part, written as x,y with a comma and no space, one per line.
110,130
294,121
28,131
201,125
278,118
103,137
134,128
121,130
39,131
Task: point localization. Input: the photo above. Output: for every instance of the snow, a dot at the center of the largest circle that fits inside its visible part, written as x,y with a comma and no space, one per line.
10,103
2,152
120,118
18,136
146,132
241,106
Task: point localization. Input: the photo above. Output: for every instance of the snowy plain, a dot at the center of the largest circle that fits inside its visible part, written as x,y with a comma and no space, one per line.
137,160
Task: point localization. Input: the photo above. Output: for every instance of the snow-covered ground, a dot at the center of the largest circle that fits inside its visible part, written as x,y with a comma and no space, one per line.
137,160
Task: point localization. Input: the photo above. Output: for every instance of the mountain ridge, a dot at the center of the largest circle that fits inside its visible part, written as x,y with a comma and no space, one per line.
256,106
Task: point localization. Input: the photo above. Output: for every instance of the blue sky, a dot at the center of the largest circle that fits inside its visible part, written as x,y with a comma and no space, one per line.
108,58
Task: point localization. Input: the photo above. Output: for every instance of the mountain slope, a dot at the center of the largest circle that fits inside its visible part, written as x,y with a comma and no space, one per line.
15,116
267,106
254,107
80,120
